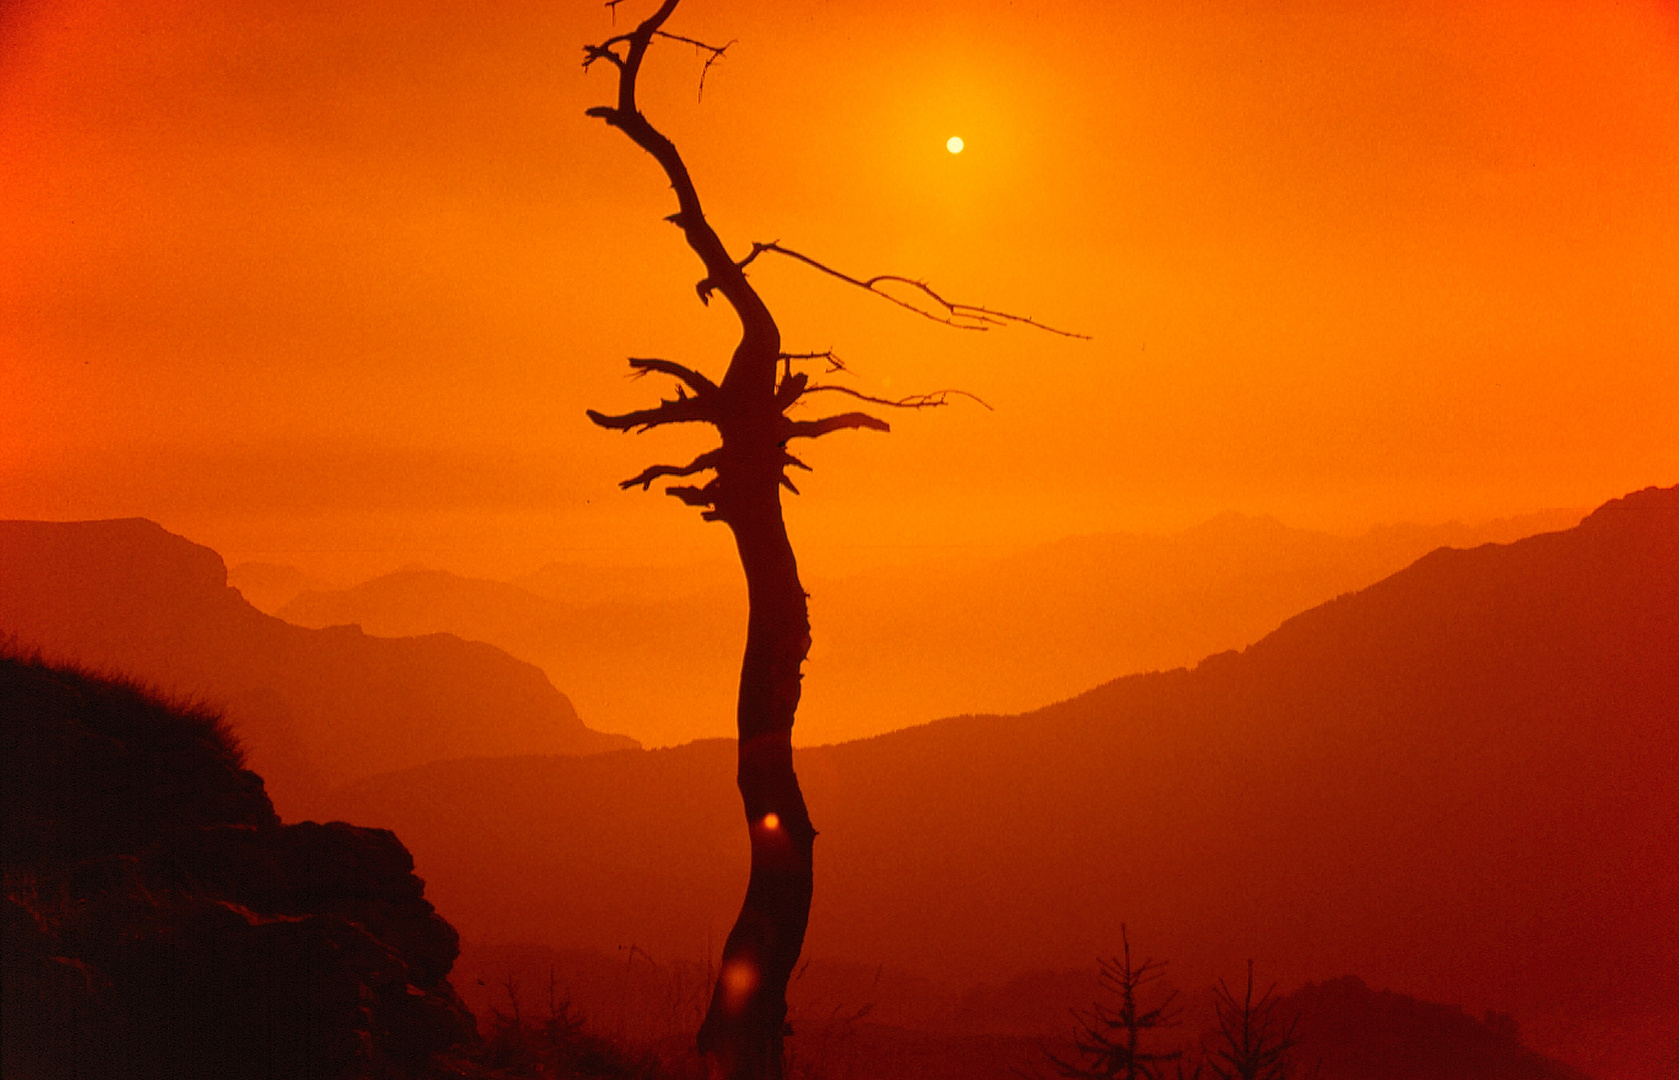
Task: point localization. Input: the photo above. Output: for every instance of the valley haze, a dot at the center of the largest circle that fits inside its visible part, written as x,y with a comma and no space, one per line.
1312,603
1456,782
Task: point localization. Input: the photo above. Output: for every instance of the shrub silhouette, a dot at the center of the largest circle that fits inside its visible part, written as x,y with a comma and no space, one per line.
99,765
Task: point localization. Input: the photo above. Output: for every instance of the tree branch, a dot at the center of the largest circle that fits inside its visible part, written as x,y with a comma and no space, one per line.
949,312
645,478
834,362
813,429
930,400
716,52
703,497
760,346
700,383
684,410
603,51
694,496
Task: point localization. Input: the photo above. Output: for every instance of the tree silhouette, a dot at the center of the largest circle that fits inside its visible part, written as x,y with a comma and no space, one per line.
746,1021
1109,1038
1252,1042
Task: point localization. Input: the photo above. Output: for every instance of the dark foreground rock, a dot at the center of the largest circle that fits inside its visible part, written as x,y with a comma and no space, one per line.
161,922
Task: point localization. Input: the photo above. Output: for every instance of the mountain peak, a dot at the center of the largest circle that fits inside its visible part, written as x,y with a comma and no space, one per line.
315,707
1649,508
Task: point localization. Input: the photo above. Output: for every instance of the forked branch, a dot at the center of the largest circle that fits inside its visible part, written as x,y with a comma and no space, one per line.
645,478
930,400
834,362
761,342
716,53
934,306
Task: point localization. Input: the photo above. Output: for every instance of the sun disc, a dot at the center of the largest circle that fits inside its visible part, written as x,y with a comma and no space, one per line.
954,144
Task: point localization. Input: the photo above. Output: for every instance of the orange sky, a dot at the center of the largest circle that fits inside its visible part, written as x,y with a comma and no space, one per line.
333,284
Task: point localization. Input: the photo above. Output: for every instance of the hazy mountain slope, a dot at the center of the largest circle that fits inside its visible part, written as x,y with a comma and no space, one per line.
666,671
315,707
1347,1031
1459,783
270,586
908,645
898,647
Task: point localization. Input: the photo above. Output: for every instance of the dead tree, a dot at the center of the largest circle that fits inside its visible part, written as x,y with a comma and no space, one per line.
744,1027
1110,1038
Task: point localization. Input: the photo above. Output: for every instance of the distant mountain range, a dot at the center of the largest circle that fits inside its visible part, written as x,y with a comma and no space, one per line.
1461,782
659,657
315,708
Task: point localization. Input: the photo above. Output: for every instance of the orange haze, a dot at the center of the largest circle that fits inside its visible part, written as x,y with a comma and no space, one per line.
330,285
333,284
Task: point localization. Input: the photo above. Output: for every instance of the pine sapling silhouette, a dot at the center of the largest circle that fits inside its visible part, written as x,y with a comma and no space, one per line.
1110,1038
1252,1041
745,1024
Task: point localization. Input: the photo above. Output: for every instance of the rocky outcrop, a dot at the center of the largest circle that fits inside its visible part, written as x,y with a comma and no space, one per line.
160,921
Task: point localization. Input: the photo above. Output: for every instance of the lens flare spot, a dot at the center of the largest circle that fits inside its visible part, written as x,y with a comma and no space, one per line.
954,144
772,821
740,978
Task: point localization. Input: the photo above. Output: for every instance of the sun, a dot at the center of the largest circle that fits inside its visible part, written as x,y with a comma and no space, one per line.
954,144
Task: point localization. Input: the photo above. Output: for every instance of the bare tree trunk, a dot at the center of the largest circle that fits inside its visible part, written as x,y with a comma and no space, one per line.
747,1019
745,1024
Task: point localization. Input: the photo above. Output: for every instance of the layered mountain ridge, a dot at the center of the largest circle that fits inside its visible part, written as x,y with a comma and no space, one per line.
892,647
1459,783
315,708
